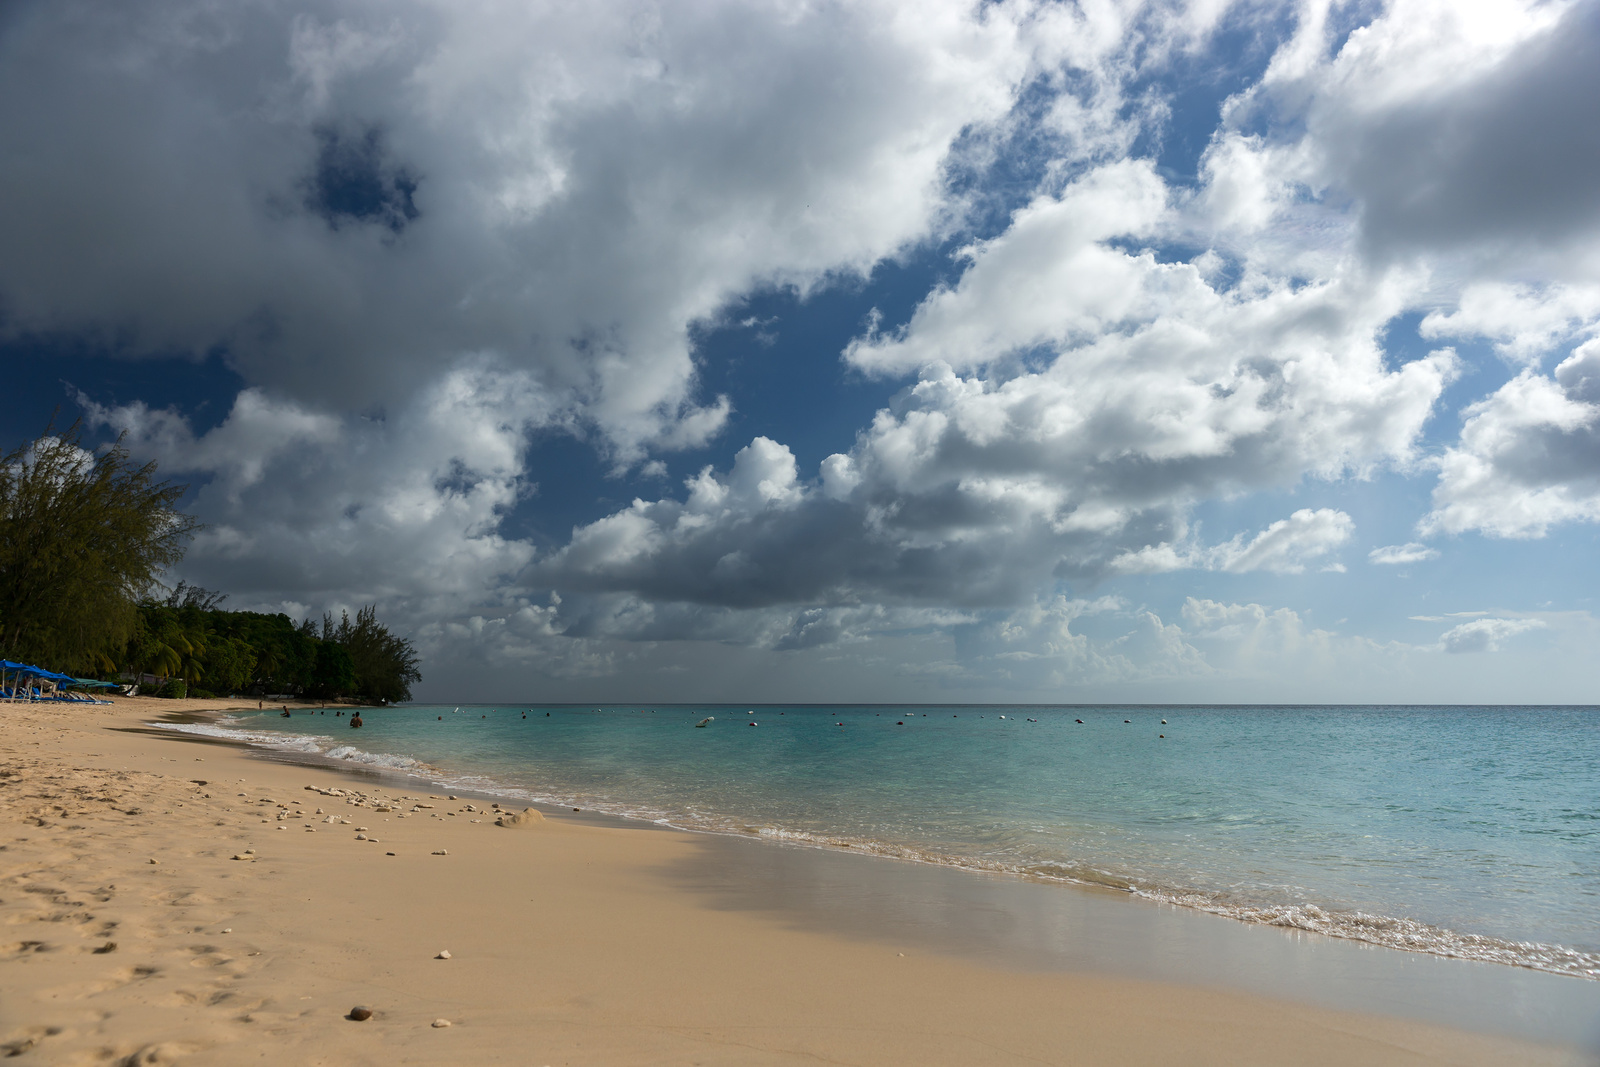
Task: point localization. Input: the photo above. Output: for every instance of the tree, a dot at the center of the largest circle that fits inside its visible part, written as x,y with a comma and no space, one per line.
385,664
334,674
82,538
184,595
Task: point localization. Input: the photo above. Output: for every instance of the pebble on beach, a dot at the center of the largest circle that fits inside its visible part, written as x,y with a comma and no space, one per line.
359,1014
441,852
444,954
440,1024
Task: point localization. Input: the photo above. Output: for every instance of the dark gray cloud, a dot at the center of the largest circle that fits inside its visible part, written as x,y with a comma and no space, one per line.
350,200
1506,158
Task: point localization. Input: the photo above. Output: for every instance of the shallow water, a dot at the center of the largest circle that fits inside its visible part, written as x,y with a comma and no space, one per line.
1471,832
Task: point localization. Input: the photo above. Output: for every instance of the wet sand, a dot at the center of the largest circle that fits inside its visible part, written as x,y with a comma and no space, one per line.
571,941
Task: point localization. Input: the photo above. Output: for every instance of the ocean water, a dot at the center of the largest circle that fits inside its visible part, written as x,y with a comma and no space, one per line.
1459,831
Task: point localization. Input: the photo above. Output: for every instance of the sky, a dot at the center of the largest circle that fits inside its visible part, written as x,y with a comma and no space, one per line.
1034,351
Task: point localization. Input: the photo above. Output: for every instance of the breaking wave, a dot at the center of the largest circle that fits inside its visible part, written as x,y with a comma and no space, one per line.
303,744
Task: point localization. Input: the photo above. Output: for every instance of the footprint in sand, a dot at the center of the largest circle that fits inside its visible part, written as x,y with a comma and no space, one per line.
25,1039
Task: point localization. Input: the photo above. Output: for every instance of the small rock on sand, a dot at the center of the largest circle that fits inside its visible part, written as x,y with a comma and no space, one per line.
361,837
441,852
359,1014
243,856
440,1024
525,817
155,861
443,955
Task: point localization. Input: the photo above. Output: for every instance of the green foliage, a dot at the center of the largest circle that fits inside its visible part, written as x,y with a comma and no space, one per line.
175,688
333,674
385,665
81,540
233,651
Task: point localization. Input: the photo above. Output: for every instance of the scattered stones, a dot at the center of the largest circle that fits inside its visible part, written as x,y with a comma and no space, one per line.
360,829
109,946
444,954
361,837
243,856
154,861
359,1014
441,1024
441,852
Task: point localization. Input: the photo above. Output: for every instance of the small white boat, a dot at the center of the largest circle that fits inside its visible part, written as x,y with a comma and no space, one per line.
705,721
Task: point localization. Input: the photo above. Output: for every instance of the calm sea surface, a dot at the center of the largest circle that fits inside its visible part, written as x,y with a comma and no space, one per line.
1471,832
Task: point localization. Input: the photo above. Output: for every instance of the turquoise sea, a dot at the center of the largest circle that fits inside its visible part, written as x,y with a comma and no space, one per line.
1459,831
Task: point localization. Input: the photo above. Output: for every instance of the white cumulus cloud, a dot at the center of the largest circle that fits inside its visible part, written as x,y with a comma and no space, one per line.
1395,555
1485,635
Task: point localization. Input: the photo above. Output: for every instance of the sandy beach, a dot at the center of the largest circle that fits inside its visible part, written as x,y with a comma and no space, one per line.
170,900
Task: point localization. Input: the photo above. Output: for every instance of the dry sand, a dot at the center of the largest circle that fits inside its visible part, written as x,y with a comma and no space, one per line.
567,946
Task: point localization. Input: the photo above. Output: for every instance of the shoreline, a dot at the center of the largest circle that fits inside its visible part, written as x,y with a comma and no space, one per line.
1264,957
1313,917
571,941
